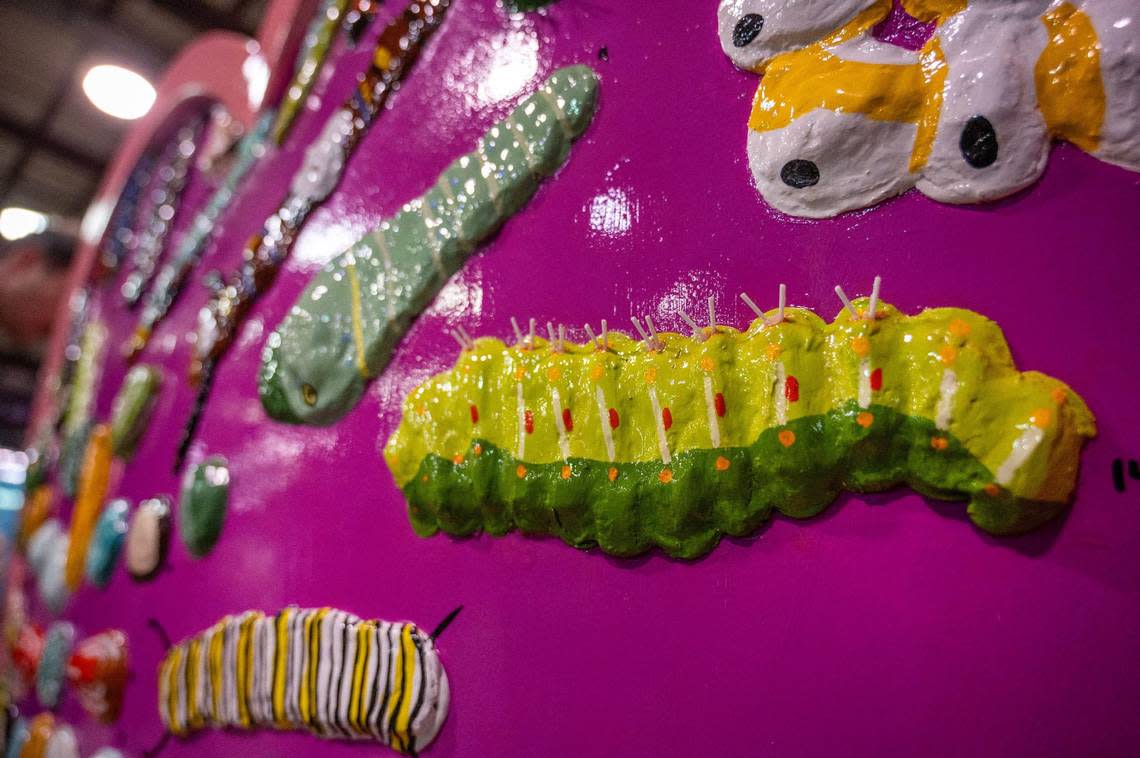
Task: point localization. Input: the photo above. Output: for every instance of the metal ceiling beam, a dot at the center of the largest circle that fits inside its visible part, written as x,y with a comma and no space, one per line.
38,131
202,16
25,133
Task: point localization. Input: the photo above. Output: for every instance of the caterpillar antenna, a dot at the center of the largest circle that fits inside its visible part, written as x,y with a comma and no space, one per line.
158,746
206,379
439,629
154,624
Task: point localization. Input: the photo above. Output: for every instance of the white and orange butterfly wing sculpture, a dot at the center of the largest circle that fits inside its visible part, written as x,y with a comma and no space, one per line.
843,120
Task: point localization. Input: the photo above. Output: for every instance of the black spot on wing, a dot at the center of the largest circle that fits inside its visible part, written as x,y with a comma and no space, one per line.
799,173
979,142
747,29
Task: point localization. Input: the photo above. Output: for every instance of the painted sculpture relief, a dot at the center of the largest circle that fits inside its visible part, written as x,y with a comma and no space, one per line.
131,409
843,120
348,320
95,668
675,440
93,484
148,538
323,670
396,51
202,505
107,542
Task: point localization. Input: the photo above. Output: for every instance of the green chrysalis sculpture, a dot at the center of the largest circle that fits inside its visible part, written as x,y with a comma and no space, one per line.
344,326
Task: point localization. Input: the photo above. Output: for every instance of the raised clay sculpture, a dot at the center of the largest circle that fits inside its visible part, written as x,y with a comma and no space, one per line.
675,440
52,670
348,320
202,505
166,198
132,406
148,538
97,672
843,120
107,542
323,670
93,483
47,557
395,53
172,277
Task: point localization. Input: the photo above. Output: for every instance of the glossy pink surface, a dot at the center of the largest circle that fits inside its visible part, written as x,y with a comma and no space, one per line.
887,626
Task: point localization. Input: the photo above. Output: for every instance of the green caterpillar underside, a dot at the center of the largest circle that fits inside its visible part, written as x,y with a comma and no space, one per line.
687,516
675,444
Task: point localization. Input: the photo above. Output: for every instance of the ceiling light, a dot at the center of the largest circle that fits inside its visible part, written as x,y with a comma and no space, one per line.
118,91
20,222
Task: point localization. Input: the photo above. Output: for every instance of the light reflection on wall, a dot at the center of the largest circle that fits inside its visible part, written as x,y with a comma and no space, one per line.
612,213
512,66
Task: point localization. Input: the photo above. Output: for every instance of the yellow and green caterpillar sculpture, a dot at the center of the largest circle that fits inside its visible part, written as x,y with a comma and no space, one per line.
675,440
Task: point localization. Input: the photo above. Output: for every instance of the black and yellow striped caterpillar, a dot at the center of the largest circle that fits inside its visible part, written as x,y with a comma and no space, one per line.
318,669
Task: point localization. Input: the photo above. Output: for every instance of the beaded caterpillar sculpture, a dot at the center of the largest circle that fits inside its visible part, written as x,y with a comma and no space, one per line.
344,326
677,440
843,120
395,53
318,669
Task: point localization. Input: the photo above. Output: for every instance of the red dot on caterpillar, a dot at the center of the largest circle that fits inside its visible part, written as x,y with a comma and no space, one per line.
876,380
787,437
614,420
520,471
865,419
666,418
474,414
939,443
721,409
528,421
613,473
665,476
566,472
567,421
722,463
792,389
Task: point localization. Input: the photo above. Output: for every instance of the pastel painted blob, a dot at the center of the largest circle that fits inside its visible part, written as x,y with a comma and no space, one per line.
131,409
842,120
62,743
202,506
97,671
88,502
346,323
678,440
107,542
323,670
39,733
47,557
52,671
148,538
17,737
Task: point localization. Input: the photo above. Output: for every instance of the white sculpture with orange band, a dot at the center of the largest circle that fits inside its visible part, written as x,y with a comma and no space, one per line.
842,120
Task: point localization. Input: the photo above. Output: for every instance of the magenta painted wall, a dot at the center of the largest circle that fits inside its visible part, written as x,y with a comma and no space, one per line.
889,626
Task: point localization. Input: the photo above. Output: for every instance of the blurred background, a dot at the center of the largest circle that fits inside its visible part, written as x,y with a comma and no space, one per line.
74,74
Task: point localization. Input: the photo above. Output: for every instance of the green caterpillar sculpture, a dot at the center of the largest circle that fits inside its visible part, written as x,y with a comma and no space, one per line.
677,440
344,326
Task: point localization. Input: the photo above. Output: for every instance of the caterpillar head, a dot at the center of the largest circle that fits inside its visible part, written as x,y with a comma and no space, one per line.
752,32
310,385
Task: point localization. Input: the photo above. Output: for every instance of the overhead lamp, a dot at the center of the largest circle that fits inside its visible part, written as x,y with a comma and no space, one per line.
118,91
20,222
